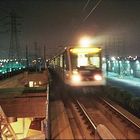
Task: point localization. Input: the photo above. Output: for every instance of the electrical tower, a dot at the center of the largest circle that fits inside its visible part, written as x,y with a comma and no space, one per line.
27,57
14,41
37,52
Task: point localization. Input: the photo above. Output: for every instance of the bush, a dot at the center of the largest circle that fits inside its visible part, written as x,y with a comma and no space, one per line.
135,104
125,99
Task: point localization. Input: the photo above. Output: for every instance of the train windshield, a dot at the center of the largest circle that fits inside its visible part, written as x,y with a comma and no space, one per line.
85,57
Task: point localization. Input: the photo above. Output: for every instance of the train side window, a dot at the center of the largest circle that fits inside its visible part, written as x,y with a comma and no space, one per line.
65,61
58,61
61,61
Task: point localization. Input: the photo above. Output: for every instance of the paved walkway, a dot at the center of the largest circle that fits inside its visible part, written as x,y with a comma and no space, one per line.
126,79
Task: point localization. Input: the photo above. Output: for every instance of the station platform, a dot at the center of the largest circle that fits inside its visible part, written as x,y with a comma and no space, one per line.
127,79
26,103
60,127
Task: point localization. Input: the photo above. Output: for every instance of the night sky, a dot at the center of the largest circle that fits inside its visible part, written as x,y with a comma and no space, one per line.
53,23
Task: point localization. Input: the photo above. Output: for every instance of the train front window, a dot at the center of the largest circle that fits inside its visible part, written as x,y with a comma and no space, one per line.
85,59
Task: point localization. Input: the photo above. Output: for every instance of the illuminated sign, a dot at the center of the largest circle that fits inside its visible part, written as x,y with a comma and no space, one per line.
85,50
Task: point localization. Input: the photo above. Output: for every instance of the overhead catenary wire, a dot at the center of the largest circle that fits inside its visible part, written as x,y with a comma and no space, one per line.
92,10
82,19
86,5
97,4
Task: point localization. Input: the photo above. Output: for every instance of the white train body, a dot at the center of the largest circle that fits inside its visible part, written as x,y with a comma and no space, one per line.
79,66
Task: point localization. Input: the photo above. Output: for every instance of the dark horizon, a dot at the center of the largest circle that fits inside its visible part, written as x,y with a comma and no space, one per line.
53,23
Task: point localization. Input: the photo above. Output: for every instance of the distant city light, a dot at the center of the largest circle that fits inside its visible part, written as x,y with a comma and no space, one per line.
113,58
137,62
127,62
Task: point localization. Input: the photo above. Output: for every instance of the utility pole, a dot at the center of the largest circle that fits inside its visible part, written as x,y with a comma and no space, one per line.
119,45
36,55
44,57
106,56
27,58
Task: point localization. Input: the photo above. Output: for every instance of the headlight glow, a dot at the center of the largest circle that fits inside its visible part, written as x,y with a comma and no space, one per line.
97,77
76,78
75,72
85,41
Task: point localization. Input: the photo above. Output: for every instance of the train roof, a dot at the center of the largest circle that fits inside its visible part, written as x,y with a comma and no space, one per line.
79,46
64,48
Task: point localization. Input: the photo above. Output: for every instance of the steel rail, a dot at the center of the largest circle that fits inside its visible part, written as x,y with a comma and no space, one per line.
128,119
86,115
98,129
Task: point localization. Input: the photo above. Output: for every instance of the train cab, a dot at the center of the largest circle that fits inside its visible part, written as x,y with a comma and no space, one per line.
85,66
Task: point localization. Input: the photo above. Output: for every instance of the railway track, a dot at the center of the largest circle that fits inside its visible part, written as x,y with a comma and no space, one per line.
128,124
92,117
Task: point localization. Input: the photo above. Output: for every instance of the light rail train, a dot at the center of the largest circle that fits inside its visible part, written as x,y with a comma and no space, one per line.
79,66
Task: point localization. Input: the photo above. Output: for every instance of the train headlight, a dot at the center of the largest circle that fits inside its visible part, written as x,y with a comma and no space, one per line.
75,72
98,77
76,78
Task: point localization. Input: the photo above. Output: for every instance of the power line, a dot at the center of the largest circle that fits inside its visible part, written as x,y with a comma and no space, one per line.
86,5
82,20
92,10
